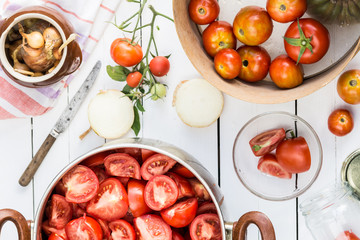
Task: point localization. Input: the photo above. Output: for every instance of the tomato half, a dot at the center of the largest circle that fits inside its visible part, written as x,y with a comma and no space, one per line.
133,79
206,207
160,192
286,10
285,73
77,211
122,165
347,235
157,164
199,189
340,122
348,86
111,201
81,184
176,236
159,66
182,171
48,230
95,160
100,173
227,63
203,11
121,229
180,214
60,211
185,189
145,154
152,227
206,226
270,166
83,228
134,152
267,141
126,53
137,203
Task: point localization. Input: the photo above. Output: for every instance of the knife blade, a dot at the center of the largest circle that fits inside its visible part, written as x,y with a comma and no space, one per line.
62,123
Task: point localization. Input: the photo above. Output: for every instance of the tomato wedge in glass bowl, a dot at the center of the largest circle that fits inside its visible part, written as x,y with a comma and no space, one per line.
206,226
157,164
83,228
137,203
270,166
122,165
121,229
60,212
180,214
267,141
152,227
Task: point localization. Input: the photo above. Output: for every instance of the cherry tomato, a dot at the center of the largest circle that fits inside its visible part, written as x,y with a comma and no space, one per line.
182,171
145,154
203,11
218,35
255,63
316,38
206,226
267,141
206,207
81,184
347,235
137,203
252,25
180,214
270,166
227,63
199,189
285,73
122,165
340,122
60,211
83,228
159,66
55,236
160,192
111,201
348,86
126,53
121,229
157,164
185,189
286,10
95,160
133,79
175,236
293,155
152,227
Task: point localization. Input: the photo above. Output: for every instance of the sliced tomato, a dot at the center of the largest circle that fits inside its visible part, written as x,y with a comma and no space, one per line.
267,141
206,207
60,188
55,236
157,164
124,180
134,152
185,189
48,230
160,192
269,165
111,201
137,203
81,184
145,154
180,214
182,171
122,230
105,228
199,189
206,226
122,165
95,160
60,212
152,227
100,173
77,210
176,236
84,228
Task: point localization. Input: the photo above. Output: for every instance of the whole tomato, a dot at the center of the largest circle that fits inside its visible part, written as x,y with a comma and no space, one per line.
340,122
203,11
285,73
159,66
306,41
126,53
255,63
133,79
252,25
348,86
218,35
228,63
286,10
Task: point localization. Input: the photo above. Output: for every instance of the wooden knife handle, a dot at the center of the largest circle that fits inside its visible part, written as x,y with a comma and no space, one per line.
18,220
36,161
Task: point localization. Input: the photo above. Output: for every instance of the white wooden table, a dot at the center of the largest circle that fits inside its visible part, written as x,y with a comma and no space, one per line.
212,146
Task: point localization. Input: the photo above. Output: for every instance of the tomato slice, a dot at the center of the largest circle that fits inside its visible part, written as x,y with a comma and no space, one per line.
347,235
122,165
83,228
121,229
81,184
206,207
160,192
134,152
111,201
270,166
157,164
152,227
180,214
105,228
77,210
176,236
137,203
60,212
185,189
267,141
48,230
182,171
199,189
95,160
100,173
206,226
145,154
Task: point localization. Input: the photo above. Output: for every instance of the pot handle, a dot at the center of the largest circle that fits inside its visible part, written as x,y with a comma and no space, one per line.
76,56
19,221
260,220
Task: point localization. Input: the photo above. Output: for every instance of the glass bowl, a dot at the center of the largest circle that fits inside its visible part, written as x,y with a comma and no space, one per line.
245,162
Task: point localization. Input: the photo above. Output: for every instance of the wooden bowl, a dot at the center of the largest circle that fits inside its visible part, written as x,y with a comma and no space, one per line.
259,92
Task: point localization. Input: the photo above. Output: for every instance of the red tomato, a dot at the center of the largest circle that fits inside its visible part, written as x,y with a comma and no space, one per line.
185,189
285,73
157,164
134,152
180,214
347,235
95,160
133,79
316,38
122,165
203,11
77,211
267,141
83,228
60,211
294,155
145,154
206,207
252,25
152,227
55,236
137,203
255,63
50,230
218,35
159,66
81,184
124,180
270,166
126,53
286,10
100,173
105,228
206,226
176,236
60,188
121,229
182,171
199,189
227,63
160,192
348,86
340,122
111,201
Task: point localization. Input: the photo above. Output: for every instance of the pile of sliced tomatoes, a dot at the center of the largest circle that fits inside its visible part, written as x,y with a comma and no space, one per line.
130,194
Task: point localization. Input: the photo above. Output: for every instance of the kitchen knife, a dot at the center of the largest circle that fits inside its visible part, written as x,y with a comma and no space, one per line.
60,126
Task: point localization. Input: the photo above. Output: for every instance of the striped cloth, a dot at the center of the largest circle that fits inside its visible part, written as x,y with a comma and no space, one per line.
89,18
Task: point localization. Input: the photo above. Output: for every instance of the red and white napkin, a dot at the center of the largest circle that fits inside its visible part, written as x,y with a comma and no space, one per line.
89,18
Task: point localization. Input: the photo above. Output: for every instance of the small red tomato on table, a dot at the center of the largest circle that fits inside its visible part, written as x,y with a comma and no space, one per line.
286,10
285,73
227,63
348,86
203,11
340,122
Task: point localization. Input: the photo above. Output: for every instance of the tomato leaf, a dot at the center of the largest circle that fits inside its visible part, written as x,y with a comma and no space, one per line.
136,124
117,73
126,89
140,106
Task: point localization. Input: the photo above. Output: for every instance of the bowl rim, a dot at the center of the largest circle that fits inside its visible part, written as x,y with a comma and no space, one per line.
296,193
